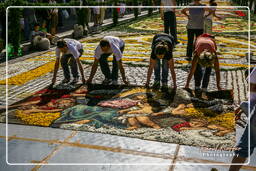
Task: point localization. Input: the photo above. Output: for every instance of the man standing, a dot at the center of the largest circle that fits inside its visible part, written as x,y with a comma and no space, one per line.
107,46
204,56
71,51
169,17
162,46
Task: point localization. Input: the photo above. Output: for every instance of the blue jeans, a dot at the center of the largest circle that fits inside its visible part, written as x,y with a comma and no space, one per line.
66,60
104,66
199,75
165,70
243,149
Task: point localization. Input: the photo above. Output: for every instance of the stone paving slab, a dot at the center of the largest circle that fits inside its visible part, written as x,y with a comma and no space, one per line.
113,149
185,166
20,151
124,143
44,133
106,168
84,155
211,155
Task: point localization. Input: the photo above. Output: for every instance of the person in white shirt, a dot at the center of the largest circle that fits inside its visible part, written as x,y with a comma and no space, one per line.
107,46
71,51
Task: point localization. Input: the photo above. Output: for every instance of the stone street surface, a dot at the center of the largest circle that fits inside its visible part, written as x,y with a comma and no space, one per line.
72,150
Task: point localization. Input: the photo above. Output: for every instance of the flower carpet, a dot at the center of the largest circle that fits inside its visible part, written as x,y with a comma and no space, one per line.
173,116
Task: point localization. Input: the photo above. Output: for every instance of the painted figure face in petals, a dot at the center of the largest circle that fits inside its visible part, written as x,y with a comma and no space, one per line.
64,103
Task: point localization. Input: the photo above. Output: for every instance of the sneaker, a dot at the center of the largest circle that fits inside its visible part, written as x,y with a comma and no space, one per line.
65,81
114,82
75,80
156,85
106,81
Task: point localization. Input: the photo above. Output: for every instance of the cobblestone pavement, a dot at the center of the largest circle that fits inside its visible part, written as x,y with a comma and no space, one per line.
136,76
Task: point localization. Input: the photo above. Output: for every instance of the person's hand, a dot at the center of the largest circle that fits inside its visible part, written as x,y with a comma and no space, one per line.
89,81
53,81
174,86
83,81
219,88
147,84
126,82
186,86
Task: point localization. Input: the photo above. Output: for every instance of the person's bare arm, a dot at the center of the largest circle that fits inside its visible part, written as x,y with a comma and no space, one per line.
192,70
150,70
81,69
217,71
56,68
93,70
184,11
162,11
122,71
171,66
210,12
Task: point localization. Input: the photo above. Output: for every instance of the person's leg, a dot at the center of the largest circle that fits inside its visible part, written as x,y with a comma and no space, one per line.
165,72
114,74
167,22
206,77
190,42
173,26
157,71
64,65
198,76
74,68
115,67
105,66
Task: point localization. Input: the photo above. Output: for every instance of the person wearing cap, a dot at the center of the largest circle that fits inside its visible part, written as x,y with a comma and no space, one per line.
205,56
107,46
162,47
71,51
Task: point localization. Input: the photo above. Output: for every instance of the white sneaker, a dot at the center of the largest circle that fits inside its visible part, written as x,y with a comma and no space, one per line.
114,82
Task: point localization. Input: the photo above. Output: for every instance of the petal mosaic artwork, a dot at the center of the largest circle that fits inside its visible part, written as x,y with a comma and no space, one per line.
161,115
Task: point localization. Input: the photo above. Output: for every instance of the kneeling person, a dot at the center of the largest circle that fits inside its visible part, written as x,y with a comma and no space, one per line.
71,51
107,46
162,46
204,56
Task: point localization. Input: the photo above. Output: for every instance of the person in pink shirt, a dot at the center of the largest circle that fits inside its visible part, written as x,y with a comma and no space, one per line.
204,56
